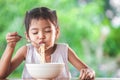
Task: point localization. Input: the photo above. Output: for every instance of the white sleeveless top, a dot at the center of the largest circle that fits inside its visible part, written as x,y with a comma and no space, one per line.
60,55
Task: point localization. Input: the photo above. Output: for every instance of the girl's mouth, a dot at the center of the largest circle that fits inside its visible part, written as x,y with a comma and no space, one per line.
41,42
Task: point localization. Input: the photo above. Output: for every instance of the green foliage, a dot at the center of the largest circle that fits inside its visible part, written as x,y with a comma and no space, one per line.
112,44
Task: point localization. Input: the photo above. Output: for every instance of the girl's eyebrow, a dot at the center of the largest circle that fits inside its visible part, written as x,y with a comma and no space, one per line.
43,28
48,27
34,29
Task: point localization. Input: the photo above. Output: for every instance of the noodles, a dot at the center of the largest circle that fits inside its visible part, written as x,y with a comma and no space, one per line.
42,53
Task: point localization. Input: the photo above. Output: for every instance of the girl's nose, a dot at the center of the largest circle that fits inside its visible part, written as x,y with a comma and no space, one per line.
41,35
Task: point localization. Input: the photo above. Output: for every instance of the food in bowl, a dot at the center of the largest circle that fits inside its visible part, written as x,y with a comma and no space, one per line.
45,71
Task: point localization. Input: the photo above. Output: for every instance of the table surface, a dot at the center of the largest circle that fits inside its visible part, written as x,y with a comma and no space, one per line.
107,79
69,79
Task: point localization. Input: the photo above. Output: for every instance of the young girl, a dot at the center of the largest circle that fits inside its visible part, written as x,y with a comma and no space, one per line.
41,28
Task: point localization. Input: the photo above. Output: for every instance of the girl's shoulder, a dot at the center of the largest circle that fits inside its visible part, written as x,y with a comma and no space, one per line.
22,50
62,44
62,47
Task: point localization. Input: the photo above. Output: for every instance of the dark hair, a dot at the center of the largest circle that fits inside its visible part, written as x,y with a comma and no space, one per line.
40,12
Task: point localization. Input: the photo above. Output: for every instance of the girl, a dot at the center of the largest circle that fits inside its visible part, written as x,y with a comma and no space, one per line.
41,28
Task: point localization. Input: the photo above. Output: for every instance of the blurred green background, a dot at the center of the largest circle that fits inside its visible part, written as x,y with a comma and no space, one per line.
90,27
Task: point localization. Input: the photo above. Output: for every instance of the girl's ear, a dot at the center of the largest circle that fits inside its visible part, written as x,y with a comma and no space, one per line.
27,37
57,32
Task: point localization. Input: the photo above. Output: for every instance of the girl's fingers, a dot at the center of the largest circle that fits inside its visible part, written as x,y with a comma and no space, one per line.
12,37
12,40
87,74
82,74
13,33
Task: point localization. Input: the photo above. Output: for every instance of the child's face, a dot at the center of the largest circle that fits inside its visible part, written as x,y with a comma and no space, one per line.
43,31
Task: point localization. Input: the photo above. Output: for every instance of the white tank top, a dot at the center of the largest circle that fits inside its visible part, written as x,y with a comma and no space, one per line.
60,55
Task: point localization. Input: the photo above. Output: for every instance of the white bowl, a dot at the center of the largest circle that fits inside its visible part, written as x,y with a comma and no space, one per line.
45,71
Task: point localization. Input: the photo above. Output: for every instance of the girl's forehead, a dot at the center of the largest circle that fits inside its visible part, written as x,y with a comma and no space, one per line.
41,23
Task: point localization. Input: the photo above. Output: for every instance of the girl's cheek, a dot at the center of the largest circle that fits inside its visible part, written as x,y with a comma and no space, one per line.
37,37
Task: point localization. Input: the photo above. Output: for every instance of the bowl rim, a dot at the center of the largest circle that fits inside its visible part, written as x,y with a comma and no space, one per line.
43,63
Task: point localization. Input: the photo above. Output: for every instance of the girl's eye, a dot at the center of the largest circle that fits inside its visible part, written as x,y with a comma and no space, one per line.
34,32
47,30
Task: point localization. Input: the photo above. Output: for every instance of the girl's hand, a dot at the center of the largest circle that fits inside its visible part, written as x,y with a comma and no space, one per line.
87,74
12,39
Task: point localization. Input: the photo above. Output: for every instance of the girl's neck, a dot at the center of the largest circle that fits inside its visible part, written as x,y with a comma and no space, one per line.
50,50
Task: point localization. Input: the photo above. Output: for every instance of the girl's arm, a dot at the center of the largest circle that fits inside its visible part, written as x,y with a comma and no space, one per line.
74,60
7,64
85,71
5,61
17,59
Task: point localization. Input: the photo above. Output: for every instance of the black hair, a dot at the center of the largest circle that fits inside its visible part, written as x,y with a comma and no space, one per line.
40,12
